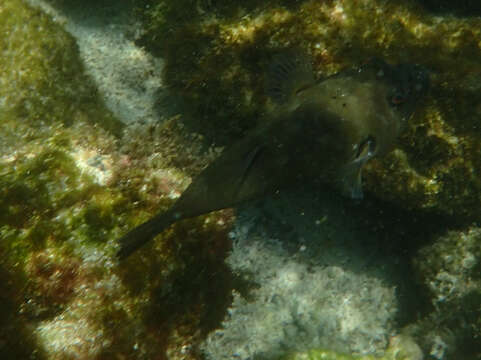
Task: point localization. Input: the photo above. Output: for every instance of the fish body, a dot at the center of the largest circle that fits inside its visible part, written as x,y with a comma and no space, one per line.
323,129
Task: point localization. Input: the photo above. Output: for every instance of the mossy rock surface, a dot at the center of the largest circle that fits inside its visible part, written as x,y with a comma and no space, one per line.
69,187
41,74
450,270
401,348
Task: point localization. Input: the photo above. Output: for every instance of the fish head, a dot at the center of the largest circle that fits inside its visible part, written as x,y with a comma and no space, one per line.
387,96
406,84
350,117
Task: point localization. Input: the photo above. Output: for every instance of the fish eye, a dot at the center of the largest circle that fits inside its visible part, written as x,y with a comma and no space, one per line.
398,99
366,148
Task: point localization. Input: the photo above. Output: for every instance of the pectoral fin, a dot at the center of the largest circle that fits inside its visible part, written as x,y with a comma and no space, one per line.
352,182
352,179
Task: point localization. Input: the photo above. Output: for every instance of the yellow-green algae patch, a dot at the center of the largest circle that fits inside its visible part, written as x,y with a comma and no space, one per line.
43,227
59,222
217,56
41,74
67,193
401,347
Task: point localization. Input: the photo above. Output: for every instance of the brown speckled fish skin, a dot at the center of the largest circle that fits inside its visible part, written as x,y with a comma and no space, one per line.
372,105
321,130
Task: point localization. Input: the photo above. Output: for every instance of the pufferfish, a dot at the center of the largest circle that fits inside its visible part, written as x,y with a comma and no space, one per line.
323,129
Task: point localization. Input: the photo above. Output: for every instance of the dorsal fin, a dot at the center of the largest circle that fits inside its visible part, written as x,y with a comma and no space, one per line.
288,73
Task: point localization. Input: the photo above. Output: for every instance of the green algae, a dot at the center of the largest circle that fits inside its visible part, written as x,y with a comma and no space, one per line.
56,214
68,189
43,191
401,347
67,194
48,112
41,74
328,355
42,87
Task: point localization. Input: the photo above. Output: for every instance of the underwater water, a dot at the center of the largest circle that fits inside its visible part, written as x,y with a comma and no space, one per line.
110,110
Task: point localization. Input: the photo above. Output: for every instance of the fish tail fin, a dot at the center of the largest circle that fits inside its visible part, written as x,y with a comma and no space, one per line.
288,73
143,233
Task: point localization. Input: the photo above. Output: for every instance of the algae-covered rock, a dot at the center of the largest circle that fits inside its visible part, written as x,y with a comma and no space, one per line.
66,195
68,188
319,354
41,75
216,55
450,270
401,348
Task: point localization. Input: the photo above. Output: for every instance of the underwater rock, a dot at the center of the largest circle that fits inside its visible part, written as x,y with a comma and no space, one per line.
320,284
42,81
63,178
449,270
125,75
